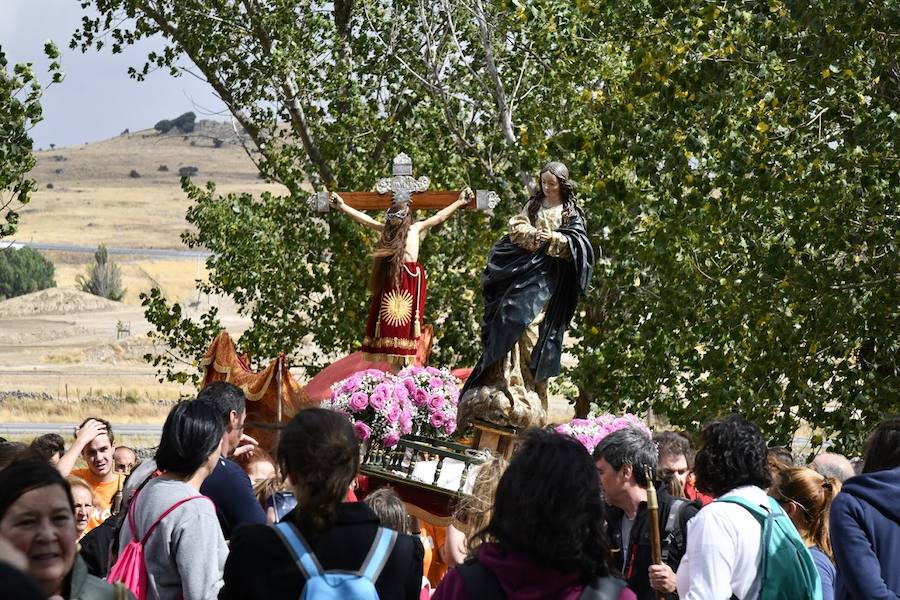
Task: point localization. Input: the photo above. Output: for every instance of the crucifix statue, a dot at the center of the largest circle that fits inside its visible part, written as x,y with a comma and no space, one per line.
398,281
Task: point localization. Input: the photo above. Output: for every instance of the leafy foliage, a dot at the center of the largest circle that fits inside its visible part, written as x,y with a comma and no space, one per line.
738,165
23,271
20,110
104,277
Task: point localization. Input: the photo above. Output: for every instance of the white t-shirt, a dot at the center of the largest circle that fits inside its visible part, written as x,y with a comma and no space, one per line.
723,550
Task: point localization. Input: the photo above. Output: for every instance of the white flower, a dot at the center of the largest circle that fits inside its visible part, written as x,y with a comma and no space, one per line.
693,163
832,144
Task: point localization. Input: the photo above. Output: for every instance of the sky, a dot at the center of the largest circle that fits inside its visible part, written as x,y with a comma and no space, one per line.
97,100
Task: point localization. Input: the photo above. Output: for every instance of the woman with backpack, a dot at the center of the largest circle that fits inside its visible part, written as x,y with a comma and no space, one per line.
169,522
545,538
324,537
37,517
806,497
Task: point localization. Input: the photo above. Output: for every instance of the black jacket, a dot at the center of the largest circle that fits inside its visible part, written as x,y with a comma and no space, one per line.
637,549
260,566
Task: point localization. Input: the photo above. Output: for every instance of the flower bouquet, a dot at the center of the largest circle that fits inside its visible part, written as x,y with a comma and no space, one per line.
434,395
591,431
377,405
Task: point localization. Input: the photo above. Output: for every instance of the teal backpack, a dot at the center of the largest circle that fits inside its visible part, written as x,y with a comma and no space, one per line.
338,585
786,569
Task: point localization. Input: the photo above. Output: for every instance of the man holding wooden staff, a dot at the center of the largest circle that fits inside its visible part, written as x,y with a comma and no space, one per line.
623,460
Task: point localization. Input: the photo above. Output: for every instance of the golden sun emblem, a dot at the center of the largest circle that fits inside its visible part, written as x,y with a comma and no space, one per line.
396,308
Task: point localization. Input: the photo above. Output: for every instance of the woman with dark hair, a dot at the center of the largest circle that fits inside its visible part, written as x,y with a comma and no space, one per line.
37,517
865,521
184,550
319,453
397,281
545,538
534,278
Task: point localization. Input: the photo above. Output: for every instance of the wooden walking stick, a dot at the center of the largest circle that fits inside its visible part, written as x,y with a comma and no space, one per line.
653,519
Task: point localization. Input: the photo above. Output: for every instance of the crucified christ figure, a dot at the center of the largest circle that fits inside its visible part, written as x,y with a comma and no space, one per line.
397,281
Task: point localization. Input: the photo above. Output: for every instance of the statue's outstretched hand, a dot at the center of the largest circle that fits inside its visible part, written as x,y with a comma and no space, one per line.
465,196
335,200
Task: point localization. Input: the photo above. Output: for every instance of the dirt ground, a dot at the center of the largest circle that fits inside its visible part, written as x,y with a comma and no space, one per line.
65,344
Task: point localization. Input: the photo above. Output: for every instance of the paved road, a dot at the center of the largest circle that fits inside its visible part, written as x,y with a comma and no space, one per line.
66,428
153,252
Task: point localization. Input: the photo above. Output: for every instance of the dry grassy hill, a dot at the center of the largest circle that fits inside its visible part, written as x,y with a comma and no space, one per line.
64,344
86,195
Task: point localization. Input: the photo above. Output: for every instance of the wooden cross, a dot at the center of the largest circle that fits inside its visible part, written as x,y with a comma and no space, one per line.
403,187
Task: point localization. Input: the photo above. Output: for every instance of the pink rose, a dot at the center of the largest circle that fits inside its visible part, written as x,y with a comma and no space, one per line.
401,394
393,414
385,389
450,426
405,422
378,401
436,402
351,385
432,371
437,420
362,431
421,397
435,383
391,439
410,385
359,401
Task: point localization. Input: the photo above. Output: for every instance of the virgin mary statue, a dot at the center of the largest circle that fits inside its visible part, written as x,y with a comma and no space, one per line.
534,278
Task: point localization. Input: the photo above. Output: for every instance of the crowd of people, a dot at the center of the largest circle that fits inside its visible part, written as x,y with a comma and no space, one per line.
212,515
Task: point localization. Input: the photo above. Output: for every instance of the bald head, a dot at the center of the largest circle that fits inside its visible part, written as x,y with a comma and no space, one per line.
834,465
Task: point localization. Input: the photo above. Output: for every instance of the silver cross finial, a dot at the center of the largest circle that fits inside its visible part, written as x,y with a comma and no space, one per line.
402,184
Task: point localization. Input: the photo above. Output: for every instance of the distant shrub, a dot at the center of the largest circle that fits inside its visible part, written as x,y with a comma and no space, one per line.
134,174
57,171
50,186
163,168
104,278
164,126
24,271
218,142
59,158
185,122
193,142
188,171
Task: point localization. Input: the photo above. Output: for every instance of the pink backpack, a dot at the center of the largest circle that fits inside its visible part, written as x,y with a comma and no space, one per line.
130,569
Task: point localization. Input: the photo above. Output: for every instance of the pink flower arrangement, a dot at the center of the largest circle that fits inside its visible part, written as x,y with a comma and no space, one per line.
591,431
382,406
374,404
435,395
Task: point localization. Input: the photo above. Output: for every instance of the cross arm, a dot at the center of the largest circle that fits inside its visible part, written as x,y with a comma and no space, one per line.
484,200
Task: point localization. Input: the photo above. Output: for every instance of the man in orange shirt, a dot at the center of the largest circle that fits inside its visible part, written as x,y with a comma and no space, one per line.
94,443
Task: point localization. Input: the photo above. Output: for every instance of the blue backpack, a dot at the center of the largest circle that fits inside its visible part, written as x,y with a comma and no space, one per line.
786,569
338,585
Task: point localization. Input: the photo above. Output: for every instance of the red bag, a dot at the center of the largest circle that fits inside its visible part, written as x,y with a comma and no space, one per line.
129,568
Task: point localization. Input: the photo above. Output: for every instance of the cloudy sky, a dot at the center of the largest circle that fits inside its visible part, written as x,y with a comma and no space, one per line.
97,100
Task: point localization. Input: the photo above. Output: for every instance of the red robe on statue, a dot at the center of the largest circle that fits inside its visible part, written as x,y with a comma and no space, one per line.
396,317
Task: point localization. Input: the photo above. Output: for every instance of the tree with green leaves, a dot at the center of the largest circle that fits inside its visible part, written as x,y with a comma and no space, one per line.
104,277
22,271
738,166
20,110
